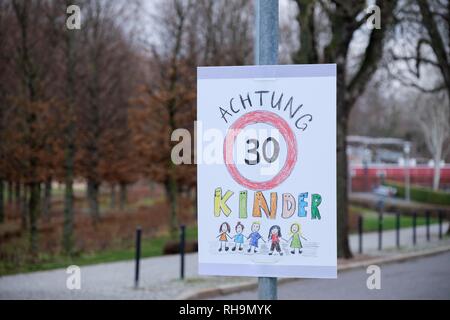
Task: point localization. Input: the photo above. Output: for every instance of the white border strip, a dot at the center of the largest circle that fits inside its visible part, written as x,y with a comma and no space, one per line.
267,71
260,270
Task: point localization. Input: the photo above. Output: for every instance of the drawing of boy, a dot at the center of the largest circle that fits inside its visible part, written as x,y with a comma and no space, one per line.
238,237
254,237
296,234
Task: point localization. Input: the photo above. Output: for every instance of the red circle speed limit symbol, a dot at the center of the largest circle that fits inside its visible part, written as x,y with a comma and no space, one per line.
267,118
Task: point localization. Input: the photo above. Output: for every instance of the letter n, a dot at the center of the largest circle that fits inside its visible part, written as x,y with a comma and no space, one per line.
261,203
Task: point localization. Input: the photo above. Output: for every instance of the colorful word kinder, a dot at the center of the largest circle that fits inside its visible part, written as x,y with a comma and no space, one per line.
290,206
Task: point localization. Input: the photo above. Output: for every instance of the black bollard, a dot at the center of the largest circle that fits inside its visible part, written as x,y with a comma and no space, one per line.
360,233
137,257
182,248
427,221
414,227
440,224
397,229
380,230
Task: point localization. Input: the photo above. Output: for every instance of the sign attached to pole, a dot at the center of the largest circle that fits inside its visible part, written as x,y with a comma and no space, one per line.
266,156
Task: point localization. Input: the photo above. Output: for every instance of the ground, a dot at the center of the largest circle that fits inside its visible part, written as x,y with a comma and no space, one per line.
159,278
424,278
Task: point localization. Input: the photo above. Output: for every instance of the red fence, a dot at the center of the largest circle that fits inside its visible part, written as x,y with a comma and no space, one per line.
367,178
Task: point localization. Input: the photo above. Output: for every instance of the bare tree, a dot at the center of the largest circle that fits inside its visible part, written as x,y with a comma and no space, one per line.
189,34
327,31
432,116
421,51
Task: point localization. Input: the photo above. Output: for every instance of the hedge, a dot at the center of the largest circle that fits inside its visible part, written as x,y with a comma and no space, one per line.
421,194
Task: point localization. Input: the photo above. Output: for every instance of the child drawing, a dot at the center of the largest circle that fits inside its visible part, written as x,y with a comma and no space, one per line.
238,237
275,237
223,236
254,237
296,234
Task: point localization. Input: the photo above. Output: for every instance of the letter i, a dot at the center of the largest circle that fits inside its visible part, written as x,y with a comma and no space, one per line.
243,204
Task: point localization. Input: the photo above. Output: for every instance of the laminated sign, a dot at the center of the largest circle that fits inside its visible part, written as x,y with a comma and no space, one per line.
266,156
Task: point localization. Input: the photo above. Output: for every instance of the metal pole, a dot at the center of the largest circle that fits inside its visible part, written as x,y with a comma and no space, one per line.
397,229
137,256
266,36
360,232
414,227
366,176
440,224
182,247
266,52
407,150
349,179
427,221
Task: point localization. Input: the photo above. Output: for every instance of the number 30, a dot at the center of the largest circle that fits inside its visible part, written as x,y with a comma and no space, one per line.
254,150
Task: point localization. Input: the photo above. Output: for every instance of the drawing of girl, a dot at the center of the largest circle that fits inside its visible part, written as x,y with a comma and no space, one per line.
223,236
238,237
275,238
296,234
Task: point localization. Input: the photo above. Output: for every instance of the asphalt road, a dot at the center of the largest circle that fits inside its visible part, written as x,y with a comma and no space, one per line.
423,278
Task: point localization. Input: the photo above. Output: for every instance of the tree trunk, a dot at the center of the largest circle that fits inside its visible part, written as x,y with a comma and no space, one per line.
343,247
123,195
10,192
194,189
46,208
69,143
23,207
92,195
68,208
437,171
342,191
2,202
171,192
305,18
33,209
112,203
68,192
17,196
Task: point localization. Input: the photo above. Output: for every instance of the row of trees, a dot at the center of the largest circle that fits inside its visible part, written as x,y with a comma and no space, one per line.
100,103
64,101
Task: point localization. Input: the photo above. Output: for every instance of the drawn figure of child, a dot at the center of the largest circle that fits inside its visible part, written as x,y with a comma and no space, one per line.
254,237
238,237
296,234
224,235
275,238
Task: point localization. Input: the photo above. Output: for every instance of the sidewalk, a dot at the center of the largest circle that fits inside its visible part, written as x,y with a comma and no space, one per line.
370,239
159,275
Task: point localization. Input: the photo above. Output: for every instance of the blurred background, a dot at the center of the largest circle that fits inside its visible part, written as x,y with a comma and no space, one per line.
86,115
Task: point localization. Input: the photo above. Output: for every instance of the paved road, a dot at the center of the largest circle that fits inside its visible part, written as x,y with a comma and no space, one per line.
424,278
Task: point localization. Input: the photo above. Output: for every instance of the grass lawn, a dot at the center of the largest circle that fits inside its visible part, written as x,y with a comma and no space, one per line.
370,220
149,248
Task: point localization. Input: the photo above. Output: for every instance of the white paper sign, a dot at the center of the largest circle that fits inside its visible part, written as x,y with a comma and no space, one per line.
266,155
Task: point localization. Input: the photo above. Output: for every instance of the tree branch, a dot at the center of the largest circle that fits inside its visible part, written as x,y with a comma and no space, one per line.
372,54
436,41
